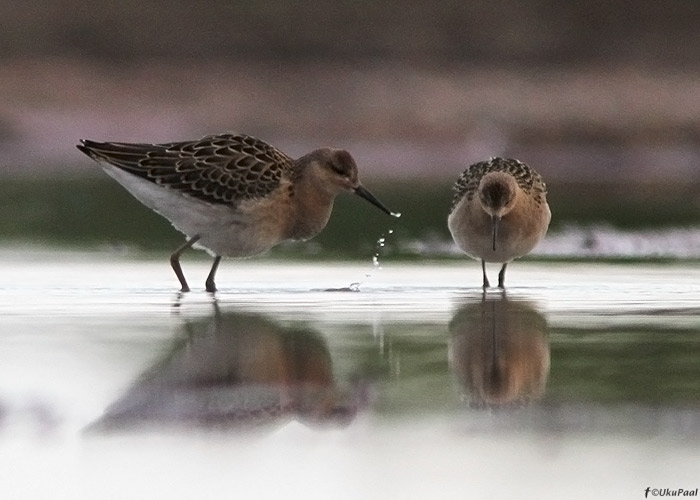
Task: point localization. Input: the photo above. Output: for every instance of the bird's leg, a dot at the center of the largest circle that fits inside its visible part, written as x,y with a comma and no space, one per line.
486,280
210,285
175,261
502,276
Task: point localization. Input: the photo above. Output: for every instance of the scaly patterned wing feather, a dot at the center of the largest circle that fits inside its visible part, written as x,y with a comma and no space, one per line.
224,169
468,183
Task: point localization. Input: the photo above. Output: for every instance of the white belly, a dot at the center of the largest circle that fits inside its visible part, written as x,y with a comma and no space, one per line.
223,230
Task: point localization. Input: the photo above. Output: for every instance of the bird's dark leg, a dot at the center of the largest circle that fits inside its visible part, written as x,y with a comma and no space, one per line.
210,285
486,280
502,276
175,261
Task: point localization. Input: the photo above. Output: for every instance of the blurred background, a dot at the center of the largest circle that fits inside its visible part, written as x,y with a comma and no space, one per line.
601,97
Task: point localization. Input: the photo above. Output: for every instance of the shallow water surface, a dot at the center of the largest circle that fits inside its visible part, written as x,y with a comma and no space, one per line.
336,380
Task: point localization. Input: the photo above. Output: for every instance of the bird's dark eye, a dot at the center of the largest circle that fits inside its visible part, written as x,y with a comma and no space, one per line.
340,169
342,163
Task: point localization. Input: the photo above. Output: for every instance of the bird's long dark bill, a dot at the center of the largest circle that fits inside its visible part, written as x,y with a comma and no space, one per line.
363,193
494,227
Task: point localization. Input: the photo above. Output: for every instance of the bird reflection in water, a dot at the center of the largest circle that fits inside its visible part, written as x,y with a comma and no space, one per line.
239,371
499,351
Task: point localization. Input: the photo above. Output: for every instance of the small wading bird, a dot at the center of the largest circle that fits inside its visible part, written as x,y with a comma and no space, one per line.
499,212
232,195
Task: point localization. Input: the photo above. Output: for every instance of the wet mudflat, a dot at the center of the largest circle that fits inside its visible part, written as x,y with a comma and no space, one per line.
335,380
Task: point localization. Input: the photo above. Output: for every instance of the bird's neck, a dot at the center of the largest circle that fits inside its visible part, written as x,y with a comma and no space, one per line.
312,207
